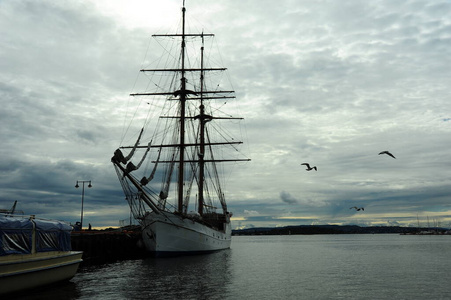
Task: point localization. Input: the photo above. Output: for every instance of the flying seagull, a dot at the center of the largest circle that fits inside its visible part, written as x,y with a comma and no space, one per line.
388,153
357,208
308,167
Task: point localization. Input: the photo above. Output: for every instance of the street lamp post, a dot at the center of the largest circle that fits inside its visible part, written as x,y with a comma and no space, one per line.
82,196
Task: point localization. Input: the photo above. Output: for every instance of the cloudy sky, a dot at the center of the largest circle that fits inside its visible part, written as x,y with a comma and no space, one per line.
327,82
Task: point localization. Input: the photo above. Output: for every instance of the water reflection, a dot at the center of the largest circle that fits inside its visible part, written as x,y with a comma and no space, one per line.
188,277
192,277
279,267
64,290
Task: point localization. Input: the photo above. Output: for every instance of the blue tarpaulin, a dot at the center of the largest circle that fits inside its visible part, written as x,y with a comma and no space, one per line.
16,235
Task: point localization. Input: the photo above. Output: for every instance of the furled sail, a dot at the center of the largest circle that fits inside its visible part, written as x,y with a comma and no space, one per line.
165,191
119,156
127,158
131,166
145,180
145,154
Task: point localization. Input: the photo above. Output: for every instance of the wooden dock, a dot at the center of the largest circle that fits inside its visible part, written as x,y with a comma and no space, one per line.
102,246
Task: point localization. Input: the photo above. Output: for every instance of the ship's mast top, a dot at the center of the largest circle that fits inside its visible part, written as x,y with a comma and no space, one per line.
182,119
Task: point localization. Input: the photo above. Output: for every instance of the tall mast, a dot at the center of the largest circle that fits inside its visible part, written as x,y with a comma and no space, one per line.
202,121
181,95
182,119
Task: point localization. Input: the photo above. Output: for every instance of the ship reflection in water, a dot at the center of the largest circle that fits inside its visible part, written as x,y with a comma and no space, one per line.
189,277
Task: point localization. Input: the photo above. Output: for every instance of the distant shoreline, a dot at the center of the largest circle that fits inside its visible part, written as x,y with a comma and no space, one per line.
335,229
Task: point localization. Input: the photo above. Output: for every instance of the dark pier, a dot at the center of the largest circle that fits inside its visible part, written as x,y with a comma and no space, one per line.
103,246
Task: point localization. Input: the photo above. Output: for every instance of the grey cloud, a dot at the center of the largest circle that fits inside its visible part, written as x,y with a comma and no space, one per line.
332,82
287,198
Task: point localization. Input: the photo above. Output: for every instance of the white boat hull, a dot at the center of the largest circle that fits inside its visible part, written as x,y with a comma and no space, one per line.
169,235
24,271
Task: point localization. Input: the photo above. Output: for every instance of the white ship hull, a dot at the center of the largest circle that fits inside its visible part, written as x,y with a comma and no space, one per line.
169,234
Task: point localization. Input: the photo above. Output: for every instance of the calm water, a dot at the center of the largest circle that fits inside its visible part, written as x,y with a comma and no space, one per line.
280,267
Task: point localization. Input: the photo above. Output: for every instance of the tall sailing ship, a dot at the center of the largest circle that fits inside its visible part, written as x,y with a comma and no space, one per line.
178,199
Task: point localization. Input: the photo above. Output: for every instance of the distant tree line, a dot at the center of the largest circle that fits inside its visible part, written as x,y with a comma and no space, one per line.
331,229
